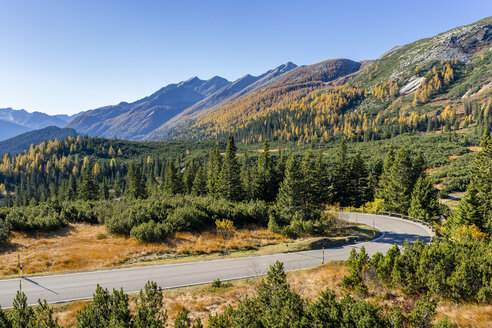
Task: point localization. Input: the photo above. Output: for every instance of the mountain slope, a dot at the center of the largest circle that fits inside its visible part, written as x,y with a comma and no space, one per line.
22,121
171,104
23,141
442,83
242,86
131,120
9,129
291,86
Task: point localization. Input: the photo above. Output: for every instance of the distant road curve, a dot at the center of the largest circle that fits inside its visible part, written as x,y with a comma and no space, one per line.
77,286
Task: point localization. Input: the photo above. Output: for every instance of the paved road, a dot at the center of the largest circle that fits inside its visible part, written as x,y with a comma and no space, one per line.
74,286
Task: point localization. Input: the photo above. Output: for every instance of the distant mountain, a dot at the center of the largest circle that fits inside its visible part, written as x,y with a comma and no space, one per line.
174,103
25,121
242,86
23,141
282,87
9,129
132,120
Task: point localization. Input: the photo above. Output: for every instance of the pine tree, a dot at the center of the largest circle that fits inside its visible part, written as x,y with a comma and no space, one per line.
265,184
189,175
290,195
400,183
173,183
199,187
358,181
246,177
425,202
469,210
482,180
230,177
383,185
135,183
418,167
214,169
341,179
88,189
21,314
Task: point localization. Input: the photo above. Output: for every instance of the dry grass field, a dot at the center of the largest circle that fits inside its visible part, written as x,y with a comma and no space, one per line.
205,300
88,247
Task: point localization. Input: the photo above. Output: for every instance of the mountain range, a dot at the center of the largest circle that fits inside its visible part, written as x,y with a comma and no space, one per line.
289,100
14,122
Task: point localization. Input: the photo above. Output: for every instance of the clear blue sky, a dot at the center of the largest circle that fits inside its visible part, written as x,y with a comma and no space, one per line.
67,56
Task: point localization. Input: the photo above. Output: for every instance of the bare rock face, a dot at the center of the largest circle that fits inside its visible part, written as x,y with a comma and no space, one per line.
458,44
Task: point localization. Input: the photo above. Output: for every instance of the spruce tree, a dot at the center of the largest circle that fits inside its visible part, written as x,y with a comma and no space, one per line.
189,175
89,189
247,178
383,185
468,211
230,177
482,180
341,179
418,167
265,184
173,183
425,203
400,186
199,187
214,169
290,194
358,181
135,183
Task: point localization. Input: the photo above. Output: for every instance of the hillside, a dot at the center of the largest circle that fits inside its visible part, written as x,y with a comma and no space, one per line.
18,144
21,121
9,129
134,121
437,84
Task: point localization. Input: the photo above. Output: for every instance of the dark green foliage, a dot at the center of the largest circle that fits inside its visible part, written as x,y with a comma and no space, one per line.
149,311
476,206
214,169
423,313
357,263
229,177
199,187
135,183
400,183
4,319
4,231
359,182
173,183
21,314
89,189
290,195
266,182
276,305
425,203
112,310
153,219
456,270
341,177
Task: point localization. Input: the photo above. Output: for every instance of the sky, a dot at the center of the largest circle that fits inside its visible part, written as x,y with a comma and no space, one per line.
62,57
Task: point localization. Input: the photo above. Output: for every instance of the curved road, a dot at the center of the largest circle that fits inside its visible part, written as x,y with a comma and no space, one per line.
75,286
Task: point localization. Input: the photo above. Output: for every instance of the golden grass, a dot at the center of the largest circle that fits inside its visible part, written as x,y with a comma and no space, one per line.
466,315
84,247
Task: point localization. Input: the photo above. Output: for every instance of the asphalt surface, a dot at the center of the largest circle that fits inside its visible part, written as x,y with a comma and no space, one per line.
75,286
